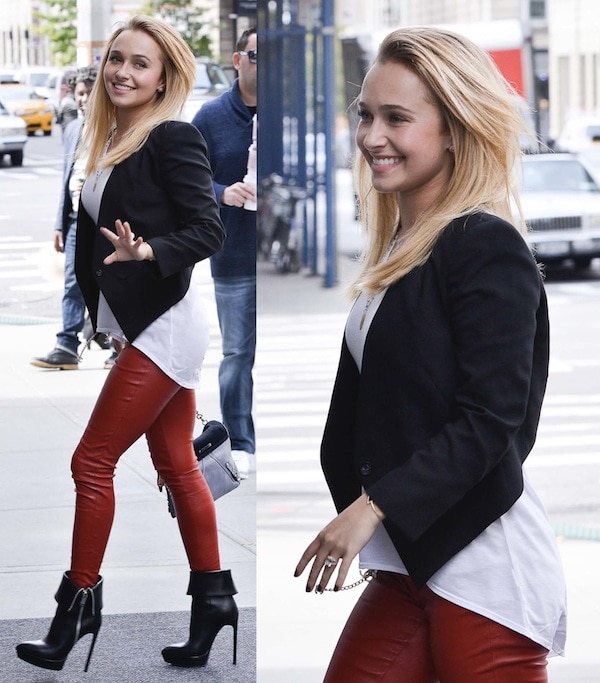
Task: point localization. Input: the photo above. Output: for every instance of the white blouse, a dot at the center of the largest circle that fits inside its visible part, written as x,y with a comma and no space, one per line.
511,573
176,341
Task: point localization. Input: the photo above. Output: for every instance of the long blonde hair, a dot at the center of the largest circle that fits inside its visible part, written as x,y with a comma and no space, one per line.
179,67
478,108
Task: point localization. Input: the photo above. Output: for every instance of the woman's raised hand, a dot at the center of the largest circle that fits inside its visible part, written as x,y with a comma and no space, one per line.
127,247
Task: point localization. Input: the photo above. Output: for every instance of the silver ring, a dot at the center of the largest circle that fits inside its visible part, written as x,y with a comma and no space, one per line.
330,561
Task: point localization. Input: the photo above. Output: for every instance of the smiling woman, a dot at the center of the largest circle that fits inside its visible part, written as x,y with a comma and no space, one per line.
147,215
445,360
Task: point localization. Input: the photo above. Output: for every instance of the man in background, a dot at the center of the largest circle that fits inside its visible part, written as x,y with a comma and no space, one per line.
227,124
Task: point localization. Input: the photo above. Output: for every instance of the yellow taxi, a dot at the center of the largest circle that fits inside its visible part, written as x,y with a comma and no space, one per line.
23,101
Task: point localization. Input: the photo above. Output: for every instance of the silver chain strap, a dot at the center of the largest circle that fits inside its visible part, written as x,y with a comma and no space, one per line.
366,576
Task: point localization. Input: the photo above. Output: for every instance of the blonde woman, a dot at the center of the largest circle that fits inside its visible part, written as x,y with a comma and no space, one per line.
148,213
439,389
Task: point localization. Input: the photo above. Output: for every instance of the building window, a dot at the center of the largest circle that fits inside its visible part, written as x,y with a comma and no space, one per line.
582,81
537,9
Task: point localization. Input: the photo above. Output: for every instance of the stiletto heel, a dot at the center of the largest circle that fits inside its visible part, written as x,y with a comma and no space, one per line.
235,627
78,614
213,607
89,657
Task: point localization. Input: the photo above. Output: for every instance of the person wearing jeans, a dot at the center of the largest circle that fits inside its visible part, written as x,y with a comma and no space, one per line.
236,307
65,355
227,126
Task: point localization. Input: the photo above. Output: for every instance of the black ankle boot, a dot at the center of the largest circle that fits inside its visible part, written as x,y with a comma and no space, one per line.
78,614
212,608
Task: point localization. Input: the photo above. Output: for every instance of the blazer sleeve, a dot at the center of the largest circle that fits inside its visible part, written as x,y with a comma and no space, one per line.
493,296
187,179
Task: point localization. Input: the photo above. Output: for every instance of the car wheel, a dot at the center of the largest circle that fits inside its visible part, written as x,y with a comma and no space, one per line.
16,158
48,132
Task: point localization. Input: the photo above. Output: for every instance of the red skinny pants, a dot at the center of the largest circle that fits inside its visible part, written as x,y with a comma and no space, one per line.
398,633
138,398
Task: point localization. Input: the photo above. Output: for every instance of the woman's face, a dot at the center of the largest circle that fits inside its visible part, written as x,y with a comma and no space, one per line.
81,93
402,135
133,73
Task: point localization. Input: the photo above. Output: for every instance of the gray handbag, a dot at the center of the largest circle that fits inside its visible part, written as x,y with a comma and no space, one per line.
213,450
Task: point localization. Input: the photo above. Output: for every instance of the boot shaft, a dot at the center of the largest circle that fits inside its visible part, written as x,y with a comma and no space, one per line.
211,584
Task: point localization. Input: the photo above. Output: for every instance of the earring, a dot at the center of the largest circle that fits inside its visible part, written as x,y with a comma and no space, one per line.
451,149
160,90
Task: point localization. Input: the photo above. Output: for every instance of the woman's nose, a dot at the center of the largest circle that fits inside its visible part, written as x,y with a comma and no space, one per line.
374,135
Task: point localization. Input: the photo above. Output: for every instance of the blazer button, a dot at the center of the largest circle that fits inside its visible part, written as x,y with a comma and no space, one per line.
99,272
365,469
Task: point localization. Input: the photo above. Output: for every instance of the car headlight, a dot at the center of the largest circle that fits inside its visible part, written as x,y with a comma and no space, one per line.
21,112
592,221
47,110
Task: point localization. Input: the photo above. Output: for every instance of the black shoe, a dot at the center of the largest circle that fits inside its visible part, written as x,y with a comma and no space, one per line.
59,359
213,607
110,361
78,614
100,338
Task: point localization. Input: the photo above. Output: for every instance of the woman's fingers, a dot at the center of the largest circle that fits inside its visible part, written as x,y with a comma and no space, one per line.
336,546
127,246
326,561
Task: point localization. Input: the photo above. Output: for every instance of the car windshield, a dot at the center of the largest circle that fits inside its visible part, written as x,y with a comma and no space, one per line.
10,93
555,175
210,77
39,79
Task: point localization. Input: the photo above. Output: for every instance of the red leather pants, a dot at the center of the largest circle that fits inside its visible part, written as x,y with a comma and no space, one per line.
400,634
138,398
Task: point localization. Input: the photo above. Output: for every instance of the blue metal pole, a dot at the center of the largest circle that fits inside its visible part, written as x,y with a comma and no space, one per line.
329,110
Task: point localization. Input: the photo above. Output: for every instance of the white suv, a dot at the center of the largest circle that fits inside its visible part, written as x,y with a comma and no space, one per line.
13,136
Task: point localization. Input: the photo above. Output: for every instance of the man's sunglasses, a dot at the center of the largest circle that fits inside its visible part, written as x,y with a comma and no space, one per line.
252,55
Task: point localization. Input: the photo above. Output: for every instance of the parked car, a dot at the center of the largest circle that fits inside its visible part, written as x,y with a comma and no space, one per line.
580,133
211,81
13,136
36,111
560,196
8,76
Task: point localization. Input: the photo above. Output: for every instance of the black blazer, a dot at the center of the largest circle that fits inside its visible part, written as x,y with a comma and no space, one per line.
165,191
438,423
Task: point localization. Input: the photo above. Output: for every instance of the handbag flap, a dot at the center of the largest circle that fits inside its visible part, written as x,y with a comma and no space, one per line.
213,435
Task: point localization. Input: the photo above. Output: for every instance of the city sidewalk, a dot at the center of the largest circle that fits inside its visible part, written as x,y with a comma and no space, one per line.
42,416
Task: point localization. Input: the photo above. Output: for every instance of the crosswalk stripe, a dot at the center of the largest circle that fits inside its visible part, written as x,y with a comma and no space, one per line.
295,369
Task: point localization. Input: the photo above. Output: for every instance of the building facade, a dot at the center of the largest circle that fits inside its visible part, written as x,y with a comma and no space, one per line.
574,60
21,46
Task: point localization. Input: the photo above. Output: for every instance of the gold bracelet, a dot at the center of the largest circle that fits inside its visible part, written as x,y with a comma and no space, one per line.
371,502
